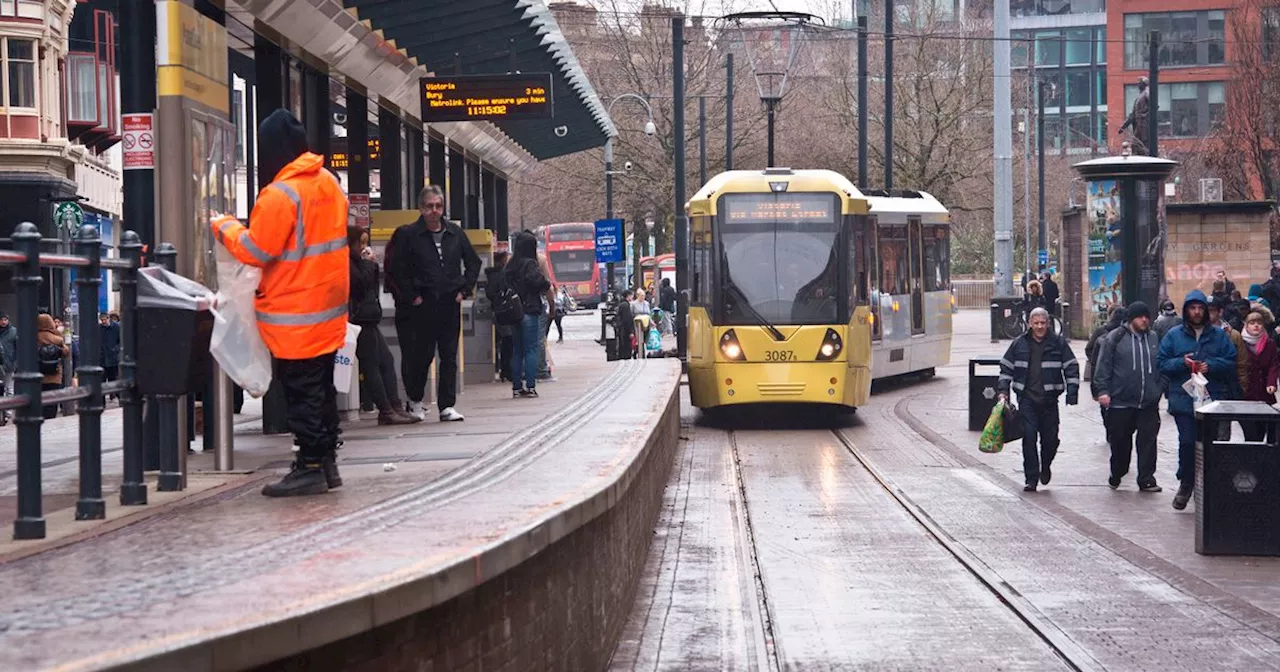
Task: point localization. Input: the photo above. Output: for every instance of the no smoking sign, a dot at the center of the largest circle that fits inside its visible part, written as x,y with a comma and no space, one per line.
138,140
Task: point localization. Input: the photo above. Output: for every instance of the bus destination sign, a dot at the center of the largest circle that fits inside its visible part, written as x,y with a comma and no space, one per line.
486,97
793,207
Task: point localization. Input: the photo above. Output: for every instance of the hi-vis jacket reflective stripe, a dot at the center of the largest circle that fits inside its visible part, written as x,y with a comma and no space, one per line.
298,236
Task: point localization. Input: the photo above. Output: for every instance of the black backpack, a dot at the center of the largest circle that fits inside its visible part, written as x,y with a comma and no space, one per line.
508,310
50,357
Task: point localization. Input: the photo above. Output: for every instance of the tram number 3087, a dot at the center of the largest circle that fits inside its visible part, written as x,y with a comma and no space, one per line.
779,356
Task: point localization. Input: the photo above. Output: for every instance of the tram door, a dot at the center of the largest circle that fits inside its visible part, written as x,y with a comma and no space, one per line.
871,251
915,236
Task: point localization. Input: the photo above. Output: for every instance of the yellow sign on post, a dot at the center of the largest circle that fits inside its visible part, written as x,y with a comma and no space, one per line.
191,55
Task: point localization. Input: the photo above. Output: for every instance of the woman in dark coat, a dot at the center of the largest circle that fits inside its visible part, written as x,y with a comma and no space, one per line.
376,363
1264,366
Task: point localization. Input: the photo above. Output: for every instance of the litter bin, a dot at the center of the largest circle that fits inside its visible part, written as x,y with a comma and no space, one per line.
1237,482
174,326
983,391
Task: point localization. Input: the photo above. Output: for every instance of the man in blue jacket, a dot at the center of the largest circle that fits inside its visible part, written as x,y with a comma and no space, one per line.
1195,346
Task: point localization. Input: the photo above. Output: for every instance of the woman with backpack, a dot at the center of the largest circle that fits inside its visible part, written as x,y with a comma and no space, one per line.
525,278
51,350
376,363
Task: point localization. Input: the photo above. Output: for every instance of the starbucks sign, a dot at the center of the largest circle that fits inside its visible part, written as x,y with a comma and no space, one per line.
68,216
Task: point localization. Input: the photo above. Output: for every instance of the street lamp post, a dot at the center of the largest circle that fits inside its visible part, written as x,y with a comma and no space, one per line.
649,129
650,244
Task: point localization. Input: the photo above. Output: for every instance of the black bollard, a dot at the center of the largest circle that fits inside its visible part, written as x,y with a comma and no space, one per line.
26,381
133,490
90,505
170,479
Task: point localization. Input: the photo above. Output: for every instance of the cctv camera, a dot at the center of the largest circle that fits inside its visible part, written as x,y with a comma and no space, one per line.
649,128
626,165
561,131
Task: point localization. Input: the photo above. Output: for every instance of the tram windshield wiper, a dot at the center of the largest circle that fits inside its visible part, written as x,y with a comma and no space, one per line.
755,314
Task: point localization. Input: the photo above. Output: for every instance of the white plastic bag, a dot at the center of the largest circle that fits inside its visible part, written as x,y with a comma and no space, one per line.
235,342
1197,386
344,361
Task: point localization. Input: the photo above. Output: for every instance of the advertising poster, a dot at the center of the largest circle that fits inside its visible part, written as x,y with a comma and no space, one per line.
1105,247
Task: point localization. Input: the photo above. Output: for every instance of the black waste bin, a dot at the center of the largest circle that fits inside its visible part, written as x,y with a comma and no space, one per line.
1237,482
174,326
983,391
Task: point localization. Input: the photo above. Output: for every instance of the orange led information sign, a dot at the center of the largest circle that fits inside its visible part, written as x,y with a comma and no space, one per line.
781,207
339,159
486,97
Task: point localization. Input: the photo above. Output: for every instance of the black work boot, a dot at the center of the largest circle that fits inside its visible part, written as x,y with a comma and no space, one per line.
306,478
330,466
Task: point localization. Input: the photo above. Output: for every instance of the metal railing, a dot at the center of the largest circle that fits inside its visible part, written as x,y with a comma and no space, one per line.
977,293
28,399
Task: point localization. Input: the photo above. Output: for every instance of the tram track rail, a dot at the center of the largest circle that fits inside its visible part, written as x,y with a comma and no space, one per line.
748,543
1070,653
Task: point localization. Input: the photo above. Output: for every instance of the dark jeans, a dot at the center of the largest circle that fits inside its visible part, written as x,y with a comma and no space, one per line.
505,343
422,330
378,367
312,404
525,343
50,410
1039,425
1186,423
1122,423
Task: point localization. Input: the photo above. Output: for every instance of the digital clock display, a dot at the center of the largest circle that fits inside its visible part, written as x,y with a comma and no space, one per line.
486,97
781,207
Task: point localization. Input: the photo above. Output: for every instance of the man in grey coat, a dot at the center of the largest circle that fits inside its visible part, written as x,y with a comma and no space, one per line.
1129,385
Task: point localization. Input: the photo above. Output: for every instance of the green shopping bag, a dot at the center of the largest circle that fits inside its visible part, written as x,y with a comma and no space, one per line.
992,440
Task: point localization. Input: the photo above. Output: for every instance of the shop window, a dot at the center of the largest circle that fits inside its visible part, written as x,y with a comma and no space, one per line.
82,103
20,72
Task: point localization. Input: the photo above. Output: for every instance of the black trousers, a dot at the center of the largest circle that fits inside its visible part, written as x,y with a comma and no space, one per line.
422,331
378,367
1039,426
505,345
50,410
1122,423
559,327
311,403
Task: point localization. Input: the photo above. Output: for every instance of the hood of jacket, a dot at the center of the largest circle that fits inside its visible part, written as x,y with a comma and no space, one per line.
1194,296
281,140
525,246
45,323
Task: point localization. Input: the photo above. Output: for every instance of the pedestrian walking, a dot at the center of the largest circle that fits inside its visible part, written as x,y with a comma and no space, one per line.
1270,290
1196,346
110,348
298,236
377,364
1167,320
495,280
1218,317
667,300
1034,298
524,275
1129,386
562,307
1227,285
548,301
8,359
1116,319
1040,367
434,267
50,353
1264,366
1051,293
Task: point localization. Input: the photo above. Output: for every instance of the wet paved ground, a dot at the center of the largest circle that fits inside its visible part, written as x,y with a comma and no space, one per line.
778,549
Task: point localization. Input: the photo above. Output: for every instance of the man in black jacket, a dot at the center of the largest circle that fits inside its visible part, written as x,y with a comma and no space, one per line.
1128,383
433,268
1039,366
1051,293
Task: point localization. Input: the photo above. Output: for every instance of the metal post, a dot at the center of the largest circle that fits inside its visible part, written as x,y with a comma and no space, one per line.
702,140
138,95
769,103
173,454
1040,236
728,113
1064,127
1026,187
1153,86
1093,93
888,94
133,490
90,506
223,403
682,221
26,381
1003,155
862,101
608,198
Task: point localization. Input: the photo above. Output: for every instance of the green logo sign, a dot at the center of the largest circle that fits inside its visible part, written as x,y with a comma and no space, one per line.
68,216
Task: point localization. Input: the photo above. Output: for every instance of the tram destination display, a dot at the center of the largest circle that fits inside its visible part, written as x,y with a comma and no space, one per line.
783,207
486,97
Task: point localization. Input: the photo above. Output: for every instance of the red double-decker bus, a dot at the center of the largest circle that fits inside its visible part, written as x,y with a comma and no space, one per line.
571,251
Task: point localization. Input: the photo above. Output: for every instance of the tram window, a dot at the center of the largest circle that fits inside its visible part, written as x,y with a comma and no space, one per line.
937,258
859,257
894,262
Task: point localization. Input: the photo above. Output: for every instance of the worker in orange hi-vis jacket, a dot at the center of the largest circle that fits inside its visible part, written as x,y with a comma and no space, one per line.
298,237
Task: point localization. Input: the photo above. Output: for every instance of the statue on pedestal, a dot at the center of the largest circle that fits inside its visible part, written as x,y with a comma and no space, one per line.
1138,120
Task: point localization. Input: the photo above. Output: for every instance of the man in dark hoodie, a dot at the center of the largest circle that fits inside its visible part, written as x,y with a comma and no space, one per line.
1168,319
1128,384
298,237
1194,347
434,267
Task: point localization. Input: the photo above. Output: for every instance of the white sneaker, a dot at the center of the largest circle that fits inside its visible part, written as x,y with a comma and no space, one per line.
450,415
414,408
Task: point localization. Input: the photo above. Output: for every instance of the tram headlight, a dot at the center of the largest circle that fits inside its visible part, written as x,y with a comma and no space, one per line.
831,346
730,348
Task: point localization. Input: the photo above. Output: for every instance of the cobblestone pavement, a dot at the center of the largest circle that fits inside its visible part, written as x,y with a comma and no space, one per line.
778,551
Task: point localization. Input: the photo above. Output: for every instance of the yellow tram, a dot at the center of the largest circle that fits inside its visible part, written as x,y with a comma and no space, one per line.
779,305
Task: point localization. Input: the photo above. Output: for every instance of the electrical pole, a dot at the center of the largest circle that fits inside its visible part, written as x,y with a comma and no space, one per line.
1064,126
681,220
138,96
728,113
862,97
702,141
888,94
1153,93
1003,134
608,200
1040,236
